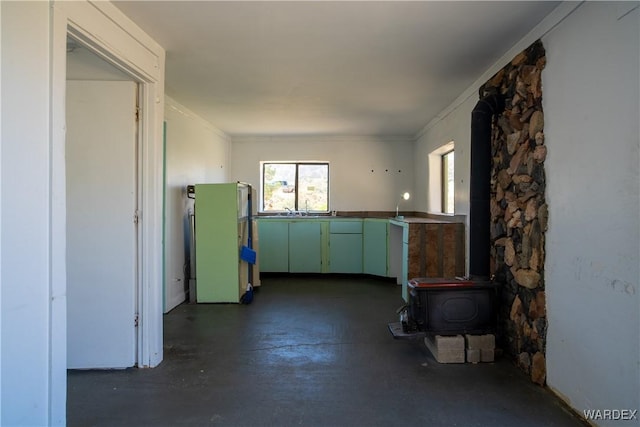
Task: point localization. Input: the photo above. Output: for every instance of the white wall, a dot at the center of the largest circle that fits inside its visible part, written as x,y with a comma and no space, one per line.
592,246
32,242
196,153
454,126
353,185
25,240
591,94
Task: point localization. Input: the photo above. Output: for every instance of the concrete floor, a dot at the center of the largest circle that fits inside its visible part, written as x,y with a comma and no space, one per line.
309,351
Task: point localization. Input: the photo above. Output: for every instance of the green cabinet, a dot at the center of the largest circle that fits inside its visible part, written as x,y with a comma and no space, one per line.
400,248
290,246
345,253
374,247
274,246
345,246
220,230
305,248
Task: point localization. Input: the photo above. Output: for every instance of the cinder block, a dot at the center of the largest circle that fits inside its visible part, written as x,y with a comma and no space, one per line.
473,341
487,355
446,349
487,341
473,355
453,342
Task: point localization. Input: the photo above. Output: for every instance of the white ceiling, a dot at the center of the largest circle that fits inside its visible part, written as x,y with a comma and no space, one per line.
325,67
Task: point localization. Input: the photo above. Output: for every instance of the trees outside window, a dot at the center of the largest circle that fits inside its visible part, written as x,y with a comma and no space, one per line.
295,186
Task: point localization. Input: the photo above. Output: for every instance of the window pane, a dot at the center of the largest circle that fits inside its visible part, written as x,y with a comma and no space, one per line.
448,182
295,186
279,186
313,187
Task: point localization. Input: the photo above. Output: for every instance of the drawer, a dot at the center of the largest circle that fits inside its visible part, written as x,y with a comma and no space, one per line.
345,227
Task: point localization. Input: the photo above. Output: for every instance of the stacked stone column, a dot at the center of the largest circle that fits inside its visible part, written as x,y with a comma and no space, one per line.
519,211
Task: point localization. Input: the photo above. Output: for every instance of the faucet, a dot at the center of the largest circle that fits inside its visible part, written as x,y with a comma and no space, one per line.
289,211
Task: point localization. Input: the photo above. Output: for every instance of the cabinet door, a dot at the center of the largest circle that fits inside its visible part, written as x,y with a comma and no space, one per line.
305,251
345,253
274,246
375,254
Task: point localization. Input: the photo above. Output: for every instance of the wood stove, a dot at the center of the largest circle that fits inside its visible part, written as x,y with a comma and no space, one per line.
462,305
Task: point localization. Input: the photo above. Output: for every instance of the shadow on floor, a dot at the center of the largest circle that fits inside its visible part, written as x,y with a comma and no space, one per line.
309,351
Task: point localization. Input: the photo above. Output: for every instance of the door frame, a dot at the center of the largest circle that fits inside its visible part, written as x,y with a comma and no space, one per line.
105,30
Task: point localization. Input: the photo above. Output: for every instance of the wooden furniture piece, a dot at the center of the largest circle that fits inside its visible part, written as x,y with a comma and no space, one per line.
423,247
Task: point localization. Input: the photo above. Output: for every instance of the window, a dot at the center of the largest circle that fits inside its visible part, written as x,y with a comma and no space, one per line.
441,179
448,182
295,186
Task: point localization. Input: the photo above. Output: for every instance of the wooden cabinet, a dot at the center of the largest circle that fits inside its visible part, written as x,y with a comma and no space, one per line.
436,250
420,247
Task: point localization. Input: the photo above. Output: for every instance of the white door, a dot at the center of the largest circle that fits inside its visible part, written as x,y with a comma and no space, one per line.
101,161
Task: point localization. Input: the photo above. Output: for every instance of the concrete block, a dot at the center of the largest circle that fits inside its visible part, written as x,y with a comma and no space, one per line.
446,349
487,341
473,355
487,355
454,342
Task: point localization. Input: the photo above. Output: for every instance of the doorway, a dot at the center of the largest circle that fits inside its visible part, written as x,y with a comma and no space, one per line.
104,31
102,189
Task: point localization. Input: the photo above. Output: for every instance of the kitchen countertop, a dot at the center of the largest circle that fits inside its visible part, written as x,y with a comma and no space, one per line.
409,217
392,219
420,220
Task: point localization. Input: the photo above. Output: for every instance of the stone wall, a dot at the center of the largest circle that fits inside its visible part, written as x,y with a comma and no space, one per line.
519,211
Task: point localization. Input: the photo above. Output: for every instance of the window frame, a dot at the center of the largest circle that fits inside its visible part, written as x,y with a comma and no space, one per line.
297,164
444,182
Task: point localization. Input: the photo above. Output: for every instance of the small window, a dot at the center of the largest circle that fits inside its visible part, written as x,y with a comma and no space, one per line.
295,186
448,182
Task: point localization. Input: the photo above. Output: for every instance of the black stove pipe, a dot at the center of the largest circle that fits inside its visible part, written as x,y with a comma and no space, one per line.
480,185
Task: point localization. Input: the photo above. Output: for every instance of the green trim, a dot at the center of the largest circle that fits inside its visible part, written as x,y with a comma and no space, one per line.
324,239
